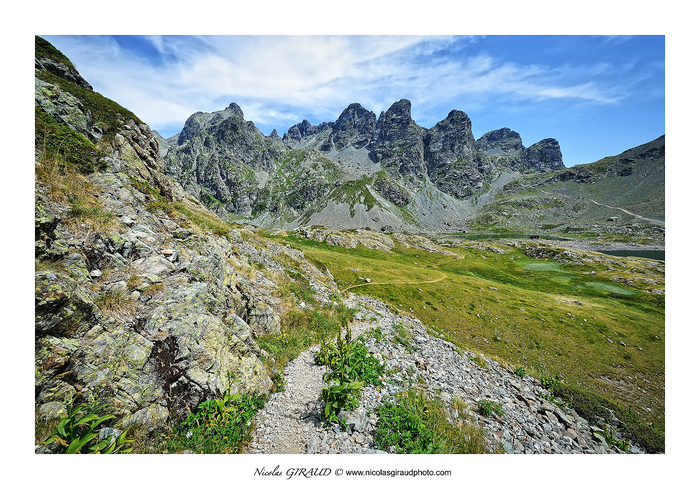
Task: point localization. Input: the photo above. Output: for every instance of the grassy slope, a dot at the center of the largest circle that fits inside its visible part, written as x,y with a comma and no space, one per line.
522,311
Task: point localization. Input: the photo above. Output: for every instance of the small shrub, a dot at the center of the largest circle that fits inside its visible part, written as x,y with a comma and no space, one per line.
480,361
376,333
402,337
489,408
279,381
613,439
520,372
349,367
551,383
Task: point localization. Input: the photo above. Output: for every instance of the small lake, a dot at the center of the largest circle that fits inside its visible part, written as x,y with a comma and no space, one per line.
653,254
500,236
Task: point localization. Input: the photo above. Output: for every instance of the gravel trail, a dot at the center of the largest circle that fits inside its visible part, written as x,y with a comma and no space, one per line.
291,421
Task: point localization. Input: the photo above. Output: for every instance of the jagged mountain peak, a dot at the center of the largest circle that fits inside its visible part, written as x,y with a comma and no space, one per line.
199,120
503,139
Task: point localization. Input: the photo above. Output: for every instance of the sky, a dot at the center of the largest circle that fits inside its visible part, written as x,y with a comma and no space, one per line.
597,95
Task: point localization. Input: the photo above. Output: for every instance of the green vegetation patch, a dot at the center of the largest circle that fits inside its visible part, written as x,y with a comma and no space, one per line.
354,192
412,423
218,426
57,141
78,430
546,266
109,114
349,366
44,49
302,328
205,220
593,408
612,288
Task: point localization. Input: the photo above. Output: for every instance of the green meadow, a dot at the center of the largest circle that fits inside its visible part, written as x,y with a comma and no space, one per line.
594,324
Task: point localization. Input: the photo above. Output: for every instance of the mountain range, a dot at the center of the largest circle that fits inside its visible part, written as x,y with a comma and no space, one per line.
387,173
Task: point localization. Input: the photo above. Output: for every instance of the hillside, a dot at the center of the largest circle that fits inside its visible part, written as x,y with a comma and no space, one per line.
619,198
162,328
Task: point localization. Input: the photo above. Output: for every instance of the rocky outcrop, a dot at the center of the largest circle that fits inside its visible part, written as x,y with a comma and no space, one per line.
397,144
505,147
450,152
544,156
303,130
501,141
355,127
163,144
147,317
62,70
125,140
216,159
199,120
391,190
138,305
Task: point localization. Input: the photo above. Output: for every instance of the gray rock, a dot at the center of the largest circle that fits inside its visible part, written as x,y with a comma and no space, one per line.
181,233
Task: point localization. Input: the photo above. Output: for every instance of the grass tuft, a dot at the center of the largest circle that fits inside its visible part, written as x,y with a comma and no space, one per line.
412,423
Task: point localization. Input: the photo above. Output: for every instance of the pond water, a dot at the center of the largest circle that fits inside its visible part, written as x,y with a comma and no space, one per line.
653,254
499,236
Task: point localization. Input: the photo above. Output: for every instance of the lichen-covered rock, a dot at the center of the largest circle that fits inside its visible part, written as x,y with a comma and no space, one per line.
145,315
61,305
63,106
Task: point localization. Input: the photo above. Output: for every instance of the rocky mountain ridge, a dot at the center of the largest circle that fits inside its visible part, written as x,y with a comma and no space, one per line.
388,174
387,162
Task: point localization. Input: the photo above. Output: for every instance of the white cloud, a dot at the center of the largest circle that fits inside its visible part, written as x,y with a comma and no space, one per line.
274,78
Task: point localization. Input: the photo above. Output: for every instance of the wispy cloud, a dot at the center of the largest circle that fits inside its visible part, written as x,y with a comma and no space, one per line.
277,78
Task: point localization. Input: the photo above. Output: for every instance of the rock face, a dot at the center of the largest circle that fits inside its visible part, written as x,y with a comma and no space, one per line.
216,157
500,141
505,147
544,156
159,329
397,145
451,156
144,309
354,127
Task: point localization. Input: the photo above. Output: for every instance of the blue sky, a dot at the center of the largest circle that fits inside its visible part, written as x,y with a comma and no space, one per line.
597,95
